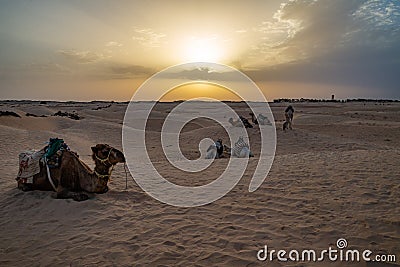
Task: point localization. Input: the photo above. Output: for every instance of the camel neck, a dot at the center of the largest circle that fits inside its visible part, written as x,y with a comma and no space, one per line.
102,169
99,177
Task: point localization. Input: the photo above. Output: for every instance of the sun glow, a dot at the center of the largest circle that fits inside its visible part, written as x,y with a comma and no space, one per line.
198,90
202,49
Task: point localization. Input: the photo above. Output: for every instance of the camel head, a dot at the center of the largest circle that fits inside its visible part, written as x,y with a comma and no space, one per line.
107,155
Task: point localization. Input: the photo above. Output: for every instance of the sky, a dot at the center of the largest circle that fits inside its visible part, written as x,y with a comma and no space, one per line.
105,49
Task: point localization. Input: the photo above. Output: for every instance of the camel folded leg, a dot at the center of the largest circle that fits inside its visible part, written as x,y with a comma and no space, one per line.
26,187
63,193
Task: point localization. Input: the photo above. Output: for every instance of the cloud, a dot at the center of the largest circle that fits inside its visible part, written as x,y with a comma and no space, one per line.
201,74
377,23
48,67
380,13
113,44
301,29
81,56
121,71
347,42
148,38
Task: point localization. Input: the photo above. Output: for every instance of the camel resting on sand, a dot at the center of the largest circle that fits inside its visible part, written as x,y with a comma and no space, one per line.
237,123
241,122
73,178
261,119
240,150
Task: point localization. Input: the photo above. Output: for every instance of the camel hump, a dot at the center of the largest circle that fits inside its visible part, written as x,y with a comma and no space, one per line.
55,144
54,152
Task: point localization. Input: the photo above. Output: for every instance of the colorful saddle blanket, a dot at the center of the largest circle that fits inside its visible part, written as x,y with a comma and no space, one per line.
29,161
54,152
29,164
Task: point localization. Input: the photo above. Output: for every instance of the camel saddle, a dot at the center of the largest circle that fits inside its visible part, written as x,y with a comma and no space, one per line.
29,161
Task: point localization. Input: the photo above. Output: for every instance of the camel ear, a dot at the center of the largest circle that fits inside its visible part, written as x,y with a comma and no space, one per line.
94,149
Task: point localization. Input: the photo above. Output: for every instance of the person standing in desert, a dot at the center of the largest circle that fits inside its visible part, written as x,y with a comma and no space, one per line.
289,117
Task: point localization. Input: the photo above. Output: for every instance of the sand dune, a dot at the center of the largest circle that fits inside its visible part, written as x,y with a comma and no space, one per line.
336,175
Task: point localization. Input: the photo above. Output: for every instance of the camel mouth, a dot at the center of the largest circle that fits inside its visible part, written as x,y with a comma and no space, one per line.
119,157
122,156
104,191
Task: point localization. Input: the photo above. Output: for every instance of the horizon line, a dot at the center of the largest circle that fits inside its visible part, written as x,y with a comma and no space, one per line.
277,100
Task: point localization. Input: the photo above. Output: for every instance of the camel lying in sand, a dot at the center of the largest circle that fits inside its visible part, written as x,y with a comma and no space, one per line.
240,150
215,150
73,178
261,119
241,122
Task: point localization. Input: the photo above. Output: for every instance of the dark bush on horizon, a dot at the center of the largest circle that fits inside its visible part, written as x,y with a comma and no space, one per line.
34,115
73,116
9,113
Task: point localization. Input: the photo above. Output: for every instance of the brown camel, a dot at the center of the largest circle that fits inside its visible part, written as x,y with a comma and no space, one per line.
73,178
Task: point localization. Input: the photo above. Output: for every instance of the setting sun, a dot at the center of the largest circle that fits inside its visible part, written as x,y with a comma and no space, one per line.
202,49
198,90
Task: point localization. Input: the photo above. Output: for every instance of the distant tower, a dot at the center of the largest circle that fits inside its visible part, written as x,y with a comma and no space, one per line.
333,97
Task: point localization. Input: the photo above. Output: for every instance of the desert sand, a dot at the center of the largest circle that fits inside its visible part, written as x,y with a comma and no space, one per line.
336,175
